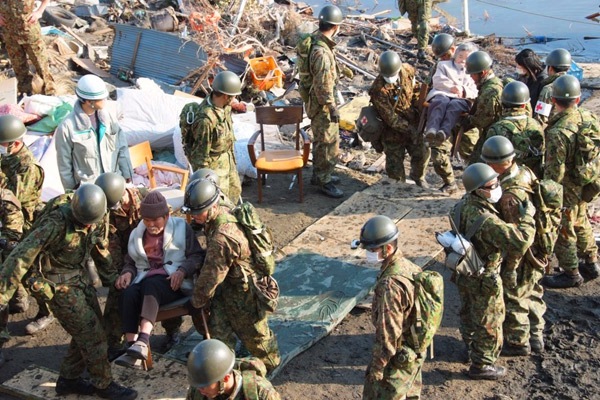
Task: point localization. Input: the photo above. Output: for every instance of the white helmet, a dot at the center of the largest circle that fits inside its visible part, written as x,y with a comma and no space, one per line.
90,87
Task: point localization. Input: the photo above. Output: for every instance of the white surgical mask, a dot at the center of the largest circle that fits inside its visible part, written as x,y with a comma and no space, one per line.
3,151
495,195
390,79
373,257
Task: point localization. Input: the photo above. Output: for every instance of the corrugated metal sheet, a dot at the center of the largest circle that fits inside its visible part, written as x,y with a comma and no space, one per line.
163,56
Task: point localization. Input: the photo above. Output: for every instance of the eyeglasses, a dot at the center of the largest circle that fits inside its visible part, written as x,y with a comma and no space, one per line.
492,186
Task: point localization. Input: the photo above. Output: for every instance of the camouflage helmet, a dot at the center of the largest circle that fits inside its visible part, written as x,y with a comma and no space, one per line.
113,186
88,204
566,87
476,175
497,149
331,14
515,93
389,63
442,42
209,362
11,129
200,195
558,58
205,173
228,83
378,231
477,62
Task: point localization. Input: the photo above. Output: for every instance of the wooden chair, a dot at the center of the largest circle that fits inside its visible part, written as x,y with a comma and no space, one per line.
141,154
286,161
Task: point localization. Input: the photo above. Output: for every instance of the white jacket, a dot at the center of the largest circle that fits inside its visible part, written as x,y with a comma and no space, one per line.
174,247
80,157
447,75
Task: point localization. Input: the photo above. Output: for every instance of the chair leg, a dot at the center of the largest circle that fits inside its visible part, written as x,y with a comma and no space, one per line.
149,363
259,186
301,186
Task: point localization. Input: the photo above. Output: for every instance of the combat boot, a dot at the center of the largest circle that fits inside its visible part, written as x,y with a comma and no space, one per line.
81,386
589,270
449,188
537,345
420,182
510,350
487,372
563,280
330,190
114,391
39,324
173,339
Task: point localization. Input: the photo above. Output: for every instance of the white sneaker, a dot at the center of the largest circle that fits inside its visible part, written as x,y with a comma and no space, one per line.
39,324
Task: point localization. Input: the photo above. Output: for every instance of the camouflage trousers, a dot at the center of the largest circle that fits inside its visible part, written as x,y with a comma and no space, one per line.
525,307
468,144
34,48
481,316
225,167
77,309
21,294
440,156
419,13
233,312
395,152
402,381
325,146
575,238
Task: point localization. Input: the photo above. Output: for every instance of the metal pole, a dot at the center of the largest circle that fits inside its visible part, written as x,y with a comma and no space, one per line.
466,17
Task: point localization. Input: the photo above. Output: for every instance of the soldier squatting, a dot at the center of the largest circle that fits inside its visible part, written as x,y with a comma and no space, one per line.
131,236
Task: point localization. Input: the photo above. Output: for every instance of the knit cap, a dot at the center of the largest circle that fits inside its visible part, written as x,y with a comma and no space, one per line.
154,206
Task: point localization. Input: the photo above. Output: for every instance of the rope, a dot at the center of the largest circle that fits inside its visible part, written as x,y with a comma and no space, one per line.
538,15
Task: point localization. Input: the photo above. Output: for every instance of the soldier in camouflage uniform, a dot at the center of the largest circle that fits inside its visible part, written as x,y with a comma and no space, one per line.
575,238
558,63
487,108
395,368
224,282
23,177
214,373
419,13
482,305
23,39
523,296
393,94
207,133
51,258
525,133
321,108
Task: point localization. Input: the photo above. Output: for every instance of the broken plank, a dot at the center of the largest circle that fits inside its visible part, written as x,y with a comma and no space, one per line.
89,66
378,165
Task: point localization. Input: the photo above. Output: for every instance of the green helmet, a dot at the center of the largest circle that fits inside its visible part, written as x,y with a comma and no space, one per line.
11,129
331,14
228,83
209,362
88,204
478,61
497,149
378,231
200,195
476,175
442,42
566,87
516,93
558,58
113,186
389,63
205,173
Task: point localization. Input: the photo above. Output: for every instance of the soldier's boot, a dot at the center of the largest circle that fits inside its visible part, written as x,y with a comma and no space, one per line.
420,182
487,372
39,324
114,391
81,386
421,54
511,350
330,190
537,344
589,270
449,188
563,280
173,339
19,302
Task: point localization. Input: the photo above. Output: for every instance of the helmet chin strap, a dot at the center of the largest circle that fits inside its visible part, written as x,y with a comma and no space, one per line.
221,387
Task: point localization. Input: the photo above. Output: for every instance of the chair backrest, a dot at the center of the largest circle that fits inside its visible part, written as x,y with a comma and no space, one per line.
286,115
140,154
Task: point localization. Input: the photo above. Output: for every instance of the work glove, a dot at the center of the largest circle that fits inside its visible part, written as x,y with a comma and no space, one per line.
348,73
526,208
509,279
334,114
374,375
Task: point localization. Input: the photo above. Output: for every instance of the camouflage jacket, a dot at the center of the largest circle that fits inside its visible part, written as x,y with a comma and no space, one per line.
228,257
24,177
392,304
488,107
396,103
208,136
60,244
544,102
495,239
122,221
11,216
561,147
325,73
15,14
526,135
264,389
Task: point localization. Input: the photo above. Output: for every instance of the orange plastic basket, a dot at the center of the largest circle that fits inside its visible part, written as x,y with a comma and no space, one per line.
265,73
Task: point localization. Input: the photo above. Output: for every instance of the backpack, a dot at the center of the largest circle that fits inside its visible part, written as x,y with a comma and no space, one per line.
548,201
187,118
303,50
428,306
250,368
586,170
370,127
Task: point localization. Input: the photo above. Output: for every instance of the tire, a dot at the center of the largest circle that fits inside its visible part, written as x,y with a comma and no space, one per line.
58,16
